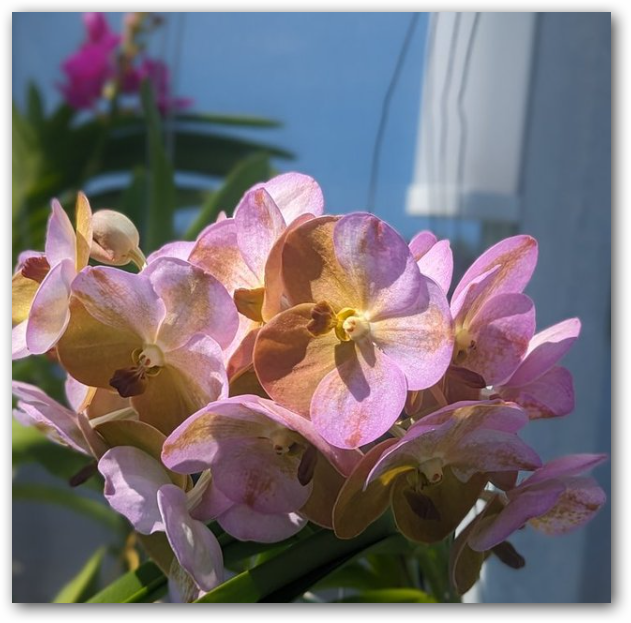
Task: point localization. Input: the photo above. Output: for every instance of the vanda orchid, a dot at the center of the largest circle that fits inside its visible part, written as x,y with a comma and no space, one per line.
302,386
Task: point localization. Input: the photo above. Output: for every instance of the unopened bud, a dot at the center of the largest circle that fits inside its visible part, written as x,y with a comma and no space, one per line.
115,240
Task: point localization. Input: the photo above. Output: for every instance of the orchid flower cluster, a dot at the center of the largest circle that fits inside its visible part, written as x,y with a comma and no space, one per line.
108,64
289,367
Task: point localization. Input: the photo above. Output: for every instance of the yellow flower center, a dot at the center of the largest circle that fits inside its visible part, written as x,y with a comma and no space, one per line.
463,346
351,325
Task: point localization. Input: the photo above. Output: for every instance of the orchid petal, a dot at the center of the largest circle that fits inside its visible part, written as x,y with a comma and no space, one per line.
327,483
60,236
120,300
290,362
19,349
421,341
422,243
193,544
565,466
545,350
180,250
217,252
132,480
83,219
49,315
434,259
516,257
245,524
258,223
358,505
91,351
531,503
195,302
211,504
377,264
550,395
23,292
295,194
500,333
360,399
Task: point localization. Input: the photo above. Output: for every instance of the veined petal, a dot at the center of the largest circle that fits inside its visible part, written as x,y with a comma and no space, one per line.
132,480
580,501
544,351
258,223
421,341
195,302
550,395
91,351
19,349
490,451
23,292
248,471
434,259
120,300
194,375
358,505
290,362
35,408
531,503
378,265
60,236
193,544
564,467
83,219
499,335
359,399
49,315
245,524
179,249
311,271
516,257
295,194
217,252
274,284
211,504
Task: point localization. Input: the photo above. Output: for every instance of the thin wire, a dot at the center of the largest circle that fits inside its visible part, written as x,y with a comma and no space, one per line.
385,109
444,124
427,103
464,129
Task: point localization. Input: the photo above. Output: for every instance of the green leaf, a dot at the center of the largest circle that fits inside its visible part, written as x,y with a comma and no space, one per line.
34,105
161,183
390,596
146,583
255,168
83,585
301,565
69,498
232,120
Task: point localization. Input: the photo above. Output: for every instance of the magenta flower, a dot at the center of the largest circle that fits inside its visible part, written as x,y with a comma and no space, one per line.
494,321
140,488
266,461
434,474
434,259
92,66
158,74
155,337
538,384
556,499
365,327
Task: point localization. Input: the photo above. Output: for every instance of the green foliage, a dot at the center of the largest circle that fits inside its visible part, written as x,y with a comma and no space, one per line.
134,587
390,596
84,584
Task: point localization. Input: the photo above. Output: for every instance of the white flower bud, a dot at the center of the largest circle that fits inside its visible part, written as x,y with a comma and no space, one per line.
115,239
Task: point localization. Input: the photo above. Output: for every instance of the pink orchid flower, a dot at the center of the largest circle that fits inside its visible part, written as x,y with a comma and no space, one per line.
244,252
271,470
140,488
155,337
434,258
434,474
365,327
92,66
41,285
494,320
556,499
538,384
